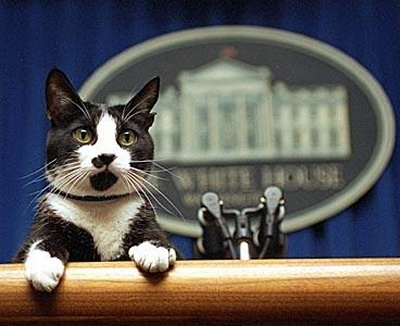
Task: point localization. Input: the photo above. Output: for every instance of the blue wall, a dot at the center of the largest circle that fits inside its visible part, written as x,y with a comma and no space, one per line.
79,36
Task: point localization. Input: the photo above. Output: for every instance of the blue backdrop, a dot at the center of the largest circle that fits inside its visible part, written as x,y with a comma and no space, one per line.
79,36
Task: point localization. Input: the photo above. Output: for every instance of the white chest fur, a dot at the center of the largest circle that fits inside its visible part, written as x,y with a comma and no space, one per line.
107,222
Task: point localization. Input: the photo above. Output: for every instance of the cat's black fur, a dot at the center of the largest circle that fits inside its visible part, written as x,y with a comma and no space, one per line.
58,234
68,242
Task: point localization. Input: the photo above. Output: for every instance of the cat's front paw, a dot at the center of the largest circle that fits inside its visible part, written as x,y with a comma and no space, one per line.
43,271
152,259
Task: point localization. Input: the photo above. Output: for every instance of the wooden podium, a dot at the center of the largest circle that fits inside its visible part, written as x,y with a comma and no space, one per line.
259,292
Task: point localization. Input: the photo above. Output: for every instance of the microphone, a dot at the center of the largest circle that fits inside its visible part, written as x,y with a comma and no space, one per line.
273,204
211,215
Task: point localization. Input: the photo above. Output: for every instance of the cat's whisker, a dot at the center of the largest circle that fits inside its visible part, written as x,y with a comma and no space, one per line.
141,189
145,183
127,185
39,192
65,181
58,173
148,199
166,170
79,179
142,192
40,170
37,171
163,169
66,166
136,186
39,178
37,195
72,180
148,174
62,173
150,186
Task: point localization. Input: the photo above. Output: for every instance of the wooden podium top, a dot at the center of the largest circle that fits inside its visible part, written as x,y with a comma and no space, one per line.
258,292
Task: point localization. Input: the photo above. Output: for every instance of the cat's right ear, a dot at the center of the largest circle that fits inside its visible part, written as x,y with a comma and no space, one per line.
61,98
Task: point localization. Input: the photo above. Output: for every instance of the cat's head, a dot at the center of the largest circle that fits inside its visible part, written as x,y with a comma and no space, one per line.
96,149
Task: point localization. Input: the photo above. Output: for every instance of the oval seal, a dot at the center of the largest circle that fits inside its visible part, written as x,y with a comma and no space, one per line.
242,108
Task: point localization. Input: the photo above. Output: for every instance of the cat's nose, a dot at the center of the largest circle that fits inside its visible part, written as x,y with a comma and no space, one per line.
103,159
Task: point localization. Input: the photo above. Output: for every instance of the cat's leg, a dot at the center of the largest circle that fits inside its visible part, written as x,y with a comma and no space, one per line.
42,270
151,257
147,245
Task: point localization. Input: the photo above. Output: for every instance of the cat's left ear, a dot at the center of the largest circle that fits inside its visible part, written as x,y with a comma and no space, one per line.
141,104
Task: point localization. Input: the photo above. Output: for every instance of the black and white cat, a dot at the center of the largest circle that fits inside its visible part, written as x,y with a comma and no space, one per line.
98,160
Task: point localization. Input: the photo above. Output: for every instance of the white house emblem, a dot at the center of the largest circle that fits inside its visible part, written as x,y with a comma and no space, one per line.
275,108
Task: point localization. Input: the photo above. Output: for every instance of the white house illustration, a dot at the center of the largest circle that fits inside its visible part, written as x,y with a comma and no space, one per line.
229,111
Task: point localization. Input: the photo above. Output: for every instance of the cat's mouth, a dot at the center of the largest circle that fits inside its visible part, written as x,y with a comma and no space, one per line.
103,180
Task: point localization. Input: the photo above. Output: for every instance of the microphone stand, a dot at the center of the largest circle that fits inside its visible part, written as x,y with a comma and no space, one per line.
243,235
217,239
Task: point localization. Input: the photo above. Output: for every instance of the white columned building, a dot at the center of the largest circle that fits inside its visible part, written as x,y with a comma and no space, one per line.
229,111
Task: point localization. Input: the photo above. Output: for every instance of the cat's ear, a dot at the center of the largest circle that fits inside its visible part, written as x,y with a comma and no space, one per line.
141,104
61,98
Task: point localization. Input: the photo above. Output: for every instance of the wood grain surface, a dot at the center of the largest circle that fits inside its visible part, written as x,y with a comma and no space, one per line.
258,292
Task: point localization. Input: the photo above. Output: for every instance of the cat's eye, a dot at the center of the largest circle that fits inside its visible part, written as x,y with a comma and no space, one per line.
126,138
82,135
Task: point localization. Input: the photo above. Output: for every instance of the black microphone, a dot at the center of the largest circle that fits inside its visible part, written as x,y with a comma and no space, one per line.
273,213
211,214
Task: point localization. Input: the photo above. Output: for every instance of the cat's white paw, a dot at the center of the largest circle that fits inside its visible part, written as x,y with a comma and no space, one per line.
151,258
43,271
